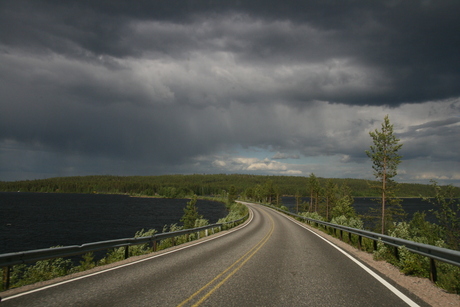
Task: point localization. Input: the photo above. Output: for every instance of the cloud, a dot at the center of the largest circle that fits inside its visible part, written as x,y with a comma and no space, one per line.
251,165
218,87
280,155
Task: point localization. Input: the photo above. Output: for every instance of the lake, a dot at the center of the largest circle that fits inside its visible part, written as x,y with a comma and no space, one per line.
363,204
41,220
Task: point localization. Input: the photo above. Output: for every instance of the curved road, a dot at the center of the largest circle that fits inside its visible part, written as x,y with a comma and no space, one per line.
270,261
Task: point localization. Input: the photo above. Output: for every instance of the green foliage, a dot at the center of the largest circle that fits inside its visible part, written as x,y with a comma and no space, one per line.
449,277
42,270
201,223
350,221
118,254
385,159
173,192
166,243
343,207
384,152
330,197
236,211
284,208
382,252
421,231
190,214
141,249
232,195
314,190
408,262
180,186
312,215
447,213
87,263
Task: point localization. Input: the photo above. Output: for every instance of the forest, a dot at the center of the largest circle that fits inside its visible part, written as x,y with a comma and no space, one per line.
175,186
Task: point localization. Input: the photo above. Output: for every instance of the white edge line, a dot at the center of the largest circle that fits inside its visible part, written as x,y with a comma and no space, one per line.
398,293
131,263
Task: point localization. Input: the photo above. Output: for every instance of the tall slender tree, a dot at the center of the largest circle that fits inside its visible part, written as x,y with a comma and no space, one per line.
330,197
313,188
385,159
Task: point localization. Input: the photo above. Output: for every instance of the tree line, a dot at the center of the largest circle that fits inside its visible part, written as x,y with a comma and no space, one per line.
176,186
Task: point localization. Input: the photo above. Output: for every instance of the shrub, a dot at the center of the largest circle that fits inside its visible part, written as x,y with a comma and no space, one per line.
353,222
87,263
42,270
284,208
312,215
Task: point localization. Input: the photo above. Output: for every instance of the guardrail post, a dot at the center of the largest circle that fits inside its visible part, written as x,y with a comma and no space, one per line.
6,277
349,237
375,245
433,271
360,242
126,251
341,235
206,233
154,247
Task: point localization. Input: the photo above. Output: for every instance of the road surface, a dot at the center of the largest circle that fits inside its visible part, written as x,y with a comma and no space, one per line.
269,261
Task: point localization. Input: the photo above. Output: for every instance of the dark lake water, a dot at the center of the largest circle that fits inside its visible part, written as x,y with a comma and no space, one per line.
363,204
41,220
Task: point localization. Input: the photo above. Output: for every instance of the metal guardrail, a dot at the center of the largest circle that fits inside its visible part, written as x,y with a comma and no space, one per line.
10,259
433,252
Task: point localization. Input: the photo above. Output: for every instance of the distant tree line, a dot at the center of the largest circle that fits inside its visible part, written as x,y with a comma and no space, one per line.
177,186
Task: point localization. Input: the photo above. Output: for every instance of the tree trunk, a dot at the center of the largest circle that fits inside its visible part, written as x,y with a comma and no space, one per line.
384,181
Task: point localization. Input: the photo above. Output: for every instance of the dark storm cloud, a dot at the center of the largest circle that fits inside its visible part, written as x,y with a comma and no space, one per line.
152,86
408,47
441,135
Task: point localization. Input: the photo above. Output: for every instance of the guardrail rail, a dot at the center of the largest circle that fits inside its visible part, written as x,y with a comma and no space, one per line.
10,259
432,252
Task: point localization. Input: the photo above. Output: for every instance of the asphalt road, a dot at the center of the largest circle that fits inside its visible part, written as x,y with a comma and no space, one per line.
270,261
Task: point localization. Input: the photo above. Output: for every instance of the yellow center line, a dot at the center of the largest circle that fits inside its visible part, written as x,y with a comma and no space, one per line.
248,254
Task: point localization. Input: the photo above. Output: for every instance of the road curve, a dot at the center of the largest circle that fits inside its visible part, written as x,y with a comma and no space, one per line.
270,261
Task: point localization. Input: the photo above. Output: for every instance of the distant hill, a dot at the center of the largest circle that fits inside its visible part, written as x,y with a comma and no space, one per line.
200,184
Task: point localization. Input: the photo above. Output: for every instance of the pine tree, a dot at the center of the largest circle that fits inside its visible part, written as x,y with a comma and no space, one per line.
385,159
190,214
330,197
314,189
232,195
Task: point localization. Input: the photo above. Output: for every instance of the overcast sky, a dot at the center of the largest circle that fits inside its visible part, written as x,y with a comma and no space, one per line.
258,87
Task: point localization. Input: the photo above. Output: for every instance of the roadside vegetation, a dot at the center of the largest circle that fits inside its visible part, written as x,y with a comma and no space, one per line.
25,274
